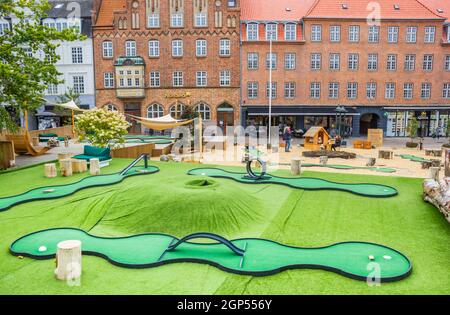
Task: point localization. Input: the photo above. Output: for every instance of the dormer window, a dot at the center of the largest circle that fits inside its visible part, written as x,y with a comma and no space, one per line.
271,31
396,7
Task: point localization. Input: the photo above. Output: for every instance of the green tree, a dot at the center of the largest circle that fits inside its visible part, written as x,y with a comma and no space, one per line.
25,77
413,127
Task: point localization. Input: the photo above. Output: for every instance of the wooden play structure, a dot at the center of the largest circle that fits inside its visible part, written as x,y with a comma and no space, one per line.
23,144
315,138
375,136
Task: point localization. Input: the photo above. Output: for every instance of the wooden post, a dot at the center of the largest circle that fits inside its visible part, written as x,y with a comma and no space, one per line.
79,166
66,167
296,166
68,260
324,160
434,173
384,154
371,162
94,166
50,170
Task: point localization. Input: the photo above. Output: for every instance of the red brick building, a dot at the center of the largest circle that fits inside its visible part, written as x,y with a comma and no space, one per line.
153,57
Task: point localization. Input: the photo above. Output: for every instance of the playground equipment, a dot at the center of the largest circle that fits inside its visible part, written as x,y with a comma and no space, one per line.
251,174
246,256
315,138
53,192
23,145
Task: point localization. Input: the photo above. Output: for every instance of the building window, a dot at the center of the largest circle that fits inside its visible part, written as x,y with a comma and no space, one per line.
130,48
178,78
333,90
201,20
289,61
314,90
155,111
252,31
271,31
335,33
200,48
290,32
408,91
371,90
374,34
153,48
316,33
391,62
410,62
224,47
204,110
353,60
77,55
447,63
78,84
425,92
177,48
225,78
446,91
176,20
411,34
273,90
427,63
372,62
153,20
108,79
4,26
430,32
52,89
353,33
352,90
176,111
392,34
335,61
28,52
315,61
390,91
252,61
252,90
155,79
108,51
201,78
271,61
289,90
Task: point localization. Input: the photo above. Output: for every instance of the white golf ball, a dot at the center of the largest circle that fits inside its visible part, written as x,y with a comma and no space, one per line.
42,249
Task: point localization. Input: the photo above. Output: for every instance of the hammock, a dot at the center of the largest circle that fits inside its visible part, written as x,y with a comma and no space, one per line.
161,123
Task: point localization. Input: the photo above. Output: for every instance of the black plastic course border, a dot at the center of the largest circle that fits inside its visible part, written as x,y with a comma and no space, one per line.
217,265
268,181
75,191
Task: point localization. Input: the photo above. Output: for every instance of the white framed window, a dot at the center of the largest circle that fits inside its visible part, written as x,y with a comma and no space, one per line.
371,90
271,31
61,24
290,32
446,91
177,48
155,111
314,90
316,33
178,78
153,48
273,90
77,55
411,34
52,89
49,22
252,90
430,34
392,34
176,20
425,91
289,90
130,48
335,61
352,90
201,19
372,62
225,78
333,90
389,92
271,61
410,62
108,79
176,111
427,63
353,33
201,78
391,62
200,48
153,20
252,31
224,47
108,51
447,63
290,61
155,79
4,26
408,90
316,60
353,61
78,84
252,61
374,34
335,33
204,110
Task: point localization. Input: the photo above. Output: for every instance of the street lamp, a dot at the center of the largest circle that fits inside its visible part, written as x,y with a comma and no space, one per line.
340,111
269,144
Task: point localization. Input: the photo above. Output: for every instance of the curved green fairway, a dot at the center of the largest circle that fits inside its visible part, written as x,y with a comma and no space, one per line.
307,183
261,257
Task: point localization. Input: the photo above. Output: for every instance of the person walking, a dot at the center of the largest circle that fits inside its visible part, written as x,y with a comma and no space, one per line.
287,137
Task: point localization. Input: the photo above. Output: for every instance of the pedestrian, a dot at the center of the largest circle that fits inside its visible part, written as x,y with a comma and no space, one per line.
287,137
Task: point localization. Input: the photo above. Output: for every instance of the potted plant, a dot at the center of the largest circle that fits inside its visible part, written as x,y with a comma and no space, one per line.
412,129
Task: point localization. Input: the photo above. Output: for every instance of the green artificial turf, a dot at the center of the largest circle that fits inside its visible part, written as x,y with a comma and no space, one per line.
170,202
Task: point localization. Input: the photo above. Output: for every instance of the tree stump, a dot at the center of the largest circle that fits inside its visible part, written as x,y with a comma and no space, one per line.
79,166
296,166
50,170
435,153
94,166
426,164
66,167
434,173
68,260
324,160
384,154
436,163
371,162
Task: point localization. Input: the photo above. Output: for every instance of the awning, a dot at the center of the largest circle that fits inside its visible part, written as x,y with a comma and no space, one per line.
298,111
161,123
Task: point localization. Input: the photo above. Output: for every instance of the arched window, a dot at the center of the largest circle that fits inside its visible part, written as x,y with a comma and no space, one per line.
177,110
111,107
204,110
155,111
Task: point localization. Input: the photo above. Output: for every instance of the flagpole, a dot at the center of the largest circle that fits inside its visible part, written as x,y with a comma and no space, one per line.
270,97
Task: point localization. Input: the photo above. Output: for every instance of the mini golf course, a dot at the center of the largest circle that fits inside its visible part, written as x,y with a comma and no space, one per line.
247,256
413,158
348,167
306,183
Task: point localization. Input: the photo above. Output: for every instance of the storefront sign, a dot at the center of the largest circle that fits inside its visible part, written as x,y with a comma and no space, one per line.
178,95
